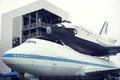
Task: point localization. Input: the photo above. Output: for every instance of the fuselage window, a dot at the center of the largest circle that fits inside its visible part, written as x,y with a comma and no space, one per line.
14,55
27,56
21,56
18,56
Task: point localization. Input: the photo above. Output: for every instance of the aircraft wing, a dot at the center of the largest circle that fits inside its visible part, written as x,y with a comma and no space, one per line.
104,72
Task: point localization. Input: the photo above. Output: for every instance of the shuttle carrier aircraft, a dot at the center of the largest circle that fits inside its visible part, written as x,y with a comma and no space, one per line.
64,50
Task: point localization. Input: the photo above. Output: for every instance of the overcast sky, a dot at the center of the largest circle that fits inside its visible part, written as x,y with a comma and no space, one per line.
88,13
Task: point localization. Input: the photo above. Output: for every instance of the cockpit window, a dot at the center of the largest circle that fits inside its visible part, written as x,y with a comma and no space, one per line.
30,41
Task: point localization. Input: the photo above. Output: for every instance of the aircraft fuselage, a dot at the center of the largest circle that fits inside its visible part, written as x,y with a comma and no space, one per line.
49,58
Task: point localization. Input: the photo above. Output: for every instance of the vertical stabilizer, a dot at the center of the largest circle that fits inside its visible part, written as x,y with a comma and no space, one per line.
104,28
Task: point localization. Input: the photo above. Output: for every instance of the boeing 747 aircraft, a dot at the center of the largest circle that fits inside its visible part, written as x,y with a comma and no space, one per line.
62,52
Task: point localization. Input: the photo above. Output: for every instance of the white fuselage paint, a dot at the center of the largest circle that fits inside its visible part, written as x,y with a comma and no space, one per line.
42,57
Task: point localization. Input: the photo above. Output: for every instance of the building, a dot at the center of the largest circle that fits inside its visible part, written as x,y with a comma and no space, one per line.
25,22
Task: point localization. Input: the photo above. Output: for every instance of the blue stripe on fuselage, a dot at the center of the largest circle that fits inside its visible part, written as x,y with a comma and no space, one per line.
55,59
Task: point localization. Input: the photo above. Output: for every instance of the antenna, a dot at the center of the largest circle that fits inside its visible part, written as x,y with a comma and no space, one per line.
104,28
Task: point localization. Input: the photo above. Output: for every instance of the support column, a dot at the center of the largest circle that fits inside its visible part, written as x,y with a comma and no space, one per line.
29,20
37,21
29,25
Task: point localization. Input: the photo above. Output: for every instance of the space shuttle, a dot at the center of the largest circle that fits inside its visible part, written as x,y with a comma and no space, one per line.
84,40
64,50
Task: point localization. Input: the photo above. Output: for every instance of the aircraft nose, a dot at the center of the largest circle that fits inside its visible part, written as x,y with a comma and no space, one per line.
7,58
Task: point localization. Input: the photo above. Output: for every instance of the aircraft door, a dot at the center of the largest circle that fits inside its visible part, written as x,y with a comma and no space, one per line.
54,67
56,61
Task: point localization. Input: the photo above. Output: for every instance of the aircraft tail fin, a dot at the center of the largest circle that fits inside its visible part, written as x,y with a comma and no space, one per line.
104,28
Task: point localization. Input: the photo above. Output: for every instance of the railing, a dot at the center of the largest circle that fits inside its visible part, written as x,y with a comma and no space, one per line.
34,25
31,35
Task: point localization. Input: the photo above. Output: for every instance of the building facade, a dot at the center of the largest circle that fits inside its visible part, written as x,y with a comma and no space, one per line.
23,23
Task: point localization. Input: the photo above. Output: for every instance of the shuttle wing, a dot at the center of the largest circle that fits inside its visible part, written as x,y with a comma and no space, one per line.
94,49
91,48
113,49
